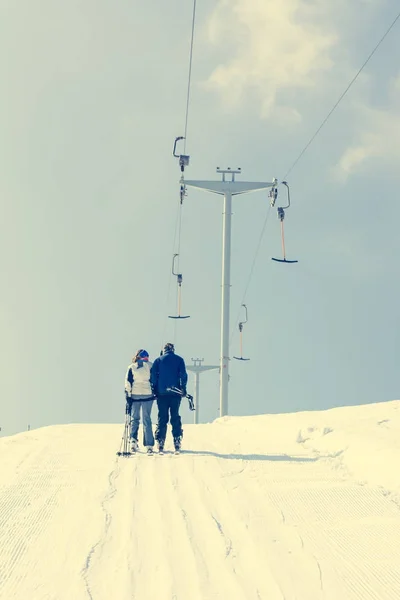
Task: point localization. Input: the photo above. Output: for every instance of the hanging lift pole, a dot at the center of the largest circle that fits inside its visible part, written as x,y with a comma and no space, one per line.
281,216
179,278
241,335
228,189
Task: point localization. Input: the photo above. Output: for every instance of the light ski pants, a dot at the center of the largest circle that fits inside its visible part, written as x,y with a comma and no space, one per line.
146,406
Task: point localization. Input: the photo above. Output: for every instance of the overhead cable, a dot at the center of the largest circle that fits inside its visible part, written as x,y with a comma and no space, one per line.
343,95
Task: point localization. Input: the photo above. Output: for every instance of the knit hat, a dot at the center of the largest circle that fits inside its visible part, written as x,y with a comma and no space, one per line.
141,355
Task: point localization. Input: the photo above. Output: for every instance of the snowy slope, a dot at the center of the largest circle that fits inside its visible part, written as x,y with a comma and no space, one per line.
276,507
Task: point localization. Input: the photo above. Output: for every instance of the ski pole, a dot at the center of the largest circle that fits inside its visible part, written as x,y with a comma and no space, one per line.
125,438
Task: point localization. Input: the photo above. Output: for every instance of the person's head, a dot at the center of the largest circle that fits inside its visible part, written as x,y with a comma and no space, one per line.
169,347
141,355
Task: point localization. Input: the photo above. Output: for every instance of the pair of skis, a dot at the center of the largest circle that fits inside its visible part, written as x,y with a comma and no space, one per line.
124,449
175,452
179,392
138,452
131,452
160,452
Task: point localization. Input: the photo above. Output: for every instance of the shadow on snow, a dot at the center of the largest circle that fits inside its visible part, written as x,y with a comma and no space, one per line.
268,457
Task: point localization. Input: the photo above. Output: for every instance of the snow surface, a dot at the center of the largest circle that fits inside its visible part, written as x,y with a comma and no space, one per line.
300,506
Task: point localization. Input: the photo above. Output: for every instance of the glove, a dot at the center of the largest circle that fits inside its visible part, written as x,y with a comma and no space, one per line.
128,406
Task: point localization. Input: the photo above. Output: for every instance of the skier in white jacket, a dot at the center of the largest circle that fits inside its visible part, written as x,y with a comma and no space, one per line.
139,395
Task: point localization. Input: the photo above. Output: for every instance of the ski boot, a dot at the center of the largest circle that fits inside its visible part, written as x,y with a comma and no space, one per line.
134,445
150,450
160,446
177,444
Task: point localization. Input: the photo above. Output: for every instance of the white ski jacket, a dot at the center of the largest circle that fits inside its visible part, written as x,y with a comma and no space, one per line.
137,380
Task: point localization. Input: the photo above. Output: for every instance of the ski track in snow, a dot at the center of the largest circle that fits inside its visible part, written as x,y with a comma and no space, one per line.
108,518
51,488
293,511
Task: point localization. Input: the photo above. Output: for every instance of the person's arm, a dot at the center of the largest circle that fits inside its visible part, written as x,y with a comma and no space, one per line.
128,390
154,371
128,382
183,376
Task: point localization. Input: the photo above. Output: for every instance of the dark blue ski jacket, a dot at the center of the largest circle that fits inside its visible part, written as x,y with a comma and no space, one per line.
168,371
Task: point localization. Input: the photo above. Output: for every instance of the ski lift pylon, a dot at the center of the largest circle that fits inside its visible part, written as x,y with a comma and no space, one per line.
241,335
281,217
179,280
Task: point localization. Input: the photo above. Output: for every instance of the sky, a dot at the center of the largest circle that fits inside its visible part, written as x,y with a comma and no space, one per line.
92,96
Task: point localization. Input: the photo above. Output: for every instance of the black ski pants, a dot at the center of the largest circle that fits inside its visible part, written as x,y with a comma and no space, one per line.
168,408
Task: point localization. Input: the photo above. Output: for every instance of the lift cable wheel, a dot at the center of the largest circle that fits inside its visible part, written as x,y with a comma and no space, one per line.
273,193
241,335
179,281
184,160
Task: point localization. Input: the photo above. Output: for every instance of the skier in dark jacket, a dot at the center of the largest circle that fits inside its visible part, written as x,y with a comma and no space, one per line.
168,371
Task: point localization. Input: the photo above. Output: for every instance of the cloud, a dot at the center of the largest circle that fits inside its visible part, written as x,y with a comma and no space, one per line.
378,135
272,48
354,156
284,60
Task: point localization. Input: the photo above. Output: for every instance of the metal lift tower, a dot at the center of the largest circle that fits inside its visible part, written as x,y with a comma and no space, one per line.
198,368
227,188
